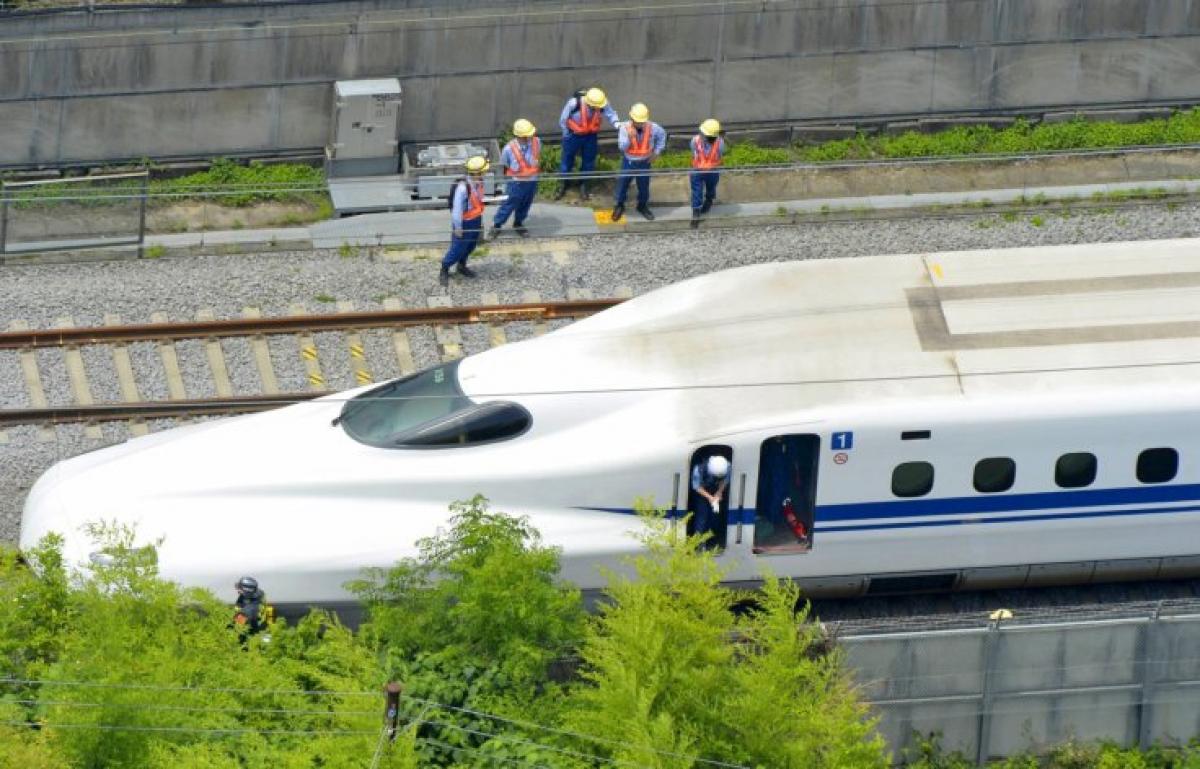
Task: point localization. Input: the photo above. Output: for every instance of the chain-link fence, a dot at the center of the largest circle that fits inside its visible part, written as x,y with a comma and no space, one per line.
1000,685
63,214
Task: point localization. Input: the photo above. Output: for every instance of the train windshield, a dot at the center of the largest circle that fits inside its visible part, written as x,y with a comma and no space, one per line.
382,416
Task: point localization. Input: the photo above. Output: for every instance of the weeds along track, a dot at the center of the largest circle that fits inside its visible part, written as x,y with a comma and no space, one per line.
284,350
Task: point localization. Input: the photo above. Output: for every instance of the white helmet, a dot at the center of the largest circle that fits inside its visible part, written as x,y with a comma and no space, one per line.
718,467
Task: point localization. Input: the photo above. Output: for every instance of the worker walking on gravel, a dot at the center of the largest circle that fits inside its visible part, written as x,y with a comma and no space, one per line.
708,149
520,158
466,219
580,123
640,141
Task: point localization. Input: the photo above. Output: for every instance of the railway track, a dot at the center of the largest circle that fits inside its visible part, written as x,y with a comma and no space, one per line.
68,341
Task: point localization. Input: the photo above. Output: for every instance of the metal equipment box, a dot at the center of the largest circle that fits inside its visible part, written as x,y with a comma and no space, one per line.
435,167
364,133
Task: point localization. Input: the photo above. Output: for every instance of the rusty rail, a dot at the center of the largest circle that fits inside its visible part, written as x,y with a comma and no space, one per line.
207,329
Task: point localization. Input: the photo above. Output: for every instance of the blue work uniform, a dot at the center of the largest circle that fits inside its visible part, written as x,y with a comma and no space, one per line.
706,160
521,166
466,217
704,519
639,147
580,125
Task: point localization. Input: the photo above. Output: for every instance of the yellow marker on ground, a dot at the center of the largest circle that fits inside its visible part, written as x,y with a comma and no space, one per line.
605,218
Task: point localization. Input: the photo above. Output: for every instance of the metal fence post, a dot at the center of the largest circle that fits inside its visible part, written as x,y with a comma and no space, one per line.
142,214
3,219
991,641
1148,677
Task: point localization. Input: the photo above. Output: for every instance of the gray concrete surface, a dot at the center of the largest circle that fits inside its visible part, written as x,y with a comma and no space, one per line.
431,228
86,87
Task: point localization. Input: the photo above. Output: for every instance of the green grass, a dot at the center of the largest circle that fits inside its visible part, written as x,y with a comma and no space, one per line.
157,251
325,298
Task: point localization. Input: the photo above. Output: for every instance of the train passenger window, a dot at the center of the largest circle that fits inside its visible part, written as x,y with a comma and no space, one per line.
994,474
1075,470
912,479
1157,465
484,423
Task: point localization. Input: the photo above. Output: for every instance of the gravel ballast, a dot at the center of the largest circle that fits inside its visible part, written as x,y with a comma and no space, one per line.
226,285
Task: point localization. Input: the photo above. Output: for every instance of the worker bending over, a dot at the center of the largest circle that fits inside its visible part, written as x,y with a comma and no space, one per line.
640,142
580,123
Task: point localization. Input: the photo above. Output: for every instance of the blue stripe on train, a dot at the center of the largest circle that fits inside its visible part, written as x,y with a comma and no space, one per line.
995,503
1009,519
959,506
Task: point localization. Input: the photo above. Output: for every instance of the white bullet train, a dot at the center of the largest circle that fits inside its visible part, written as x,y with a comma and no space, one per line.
927,421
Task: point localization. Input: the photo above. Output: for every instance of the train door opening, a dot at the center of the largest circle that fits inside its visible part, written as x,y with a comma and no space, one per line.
787,494
710,475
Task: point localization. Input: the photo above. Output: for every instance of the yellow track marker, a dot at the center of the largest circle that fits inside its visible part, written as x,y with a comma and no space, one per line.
362,375
308,351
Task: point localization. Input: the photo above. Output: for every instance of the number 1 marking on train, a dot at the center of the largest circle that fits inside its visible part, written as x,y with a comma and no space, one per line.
842,441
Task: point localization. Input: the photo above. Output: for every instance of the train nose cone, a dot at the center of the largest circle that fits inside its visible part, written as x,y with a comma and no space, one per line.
44,510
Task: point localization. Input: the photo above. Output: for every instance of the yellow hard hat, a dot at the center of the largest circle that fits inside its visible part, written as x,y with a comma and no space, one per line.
478,165
523,129
595,98
710,128
639,113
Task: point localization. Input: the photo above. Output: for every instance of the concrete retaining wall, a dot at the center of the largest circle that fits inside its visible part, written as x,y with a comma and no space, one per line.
87,87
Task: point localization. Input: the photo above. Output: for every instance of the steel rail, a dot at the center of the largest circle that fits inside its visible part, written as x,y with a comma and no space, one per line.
146,332
109,412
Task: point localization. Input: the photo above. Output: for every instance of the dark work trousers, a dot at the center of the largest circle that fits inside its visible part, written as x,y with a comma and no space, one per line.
520,198
461,247
643,181
704,188
705,519
584,145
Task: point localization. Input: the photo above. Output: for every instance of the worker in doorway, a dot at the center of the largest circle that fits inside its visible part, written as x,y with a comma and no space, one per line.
640,141
520,159
580,123
708,148
466,219
710,478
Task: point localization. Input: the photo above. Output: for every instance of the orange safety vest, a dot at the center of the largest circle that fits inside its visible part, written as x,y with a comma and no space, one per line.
638,148
474,208
588,122
524,168
705,160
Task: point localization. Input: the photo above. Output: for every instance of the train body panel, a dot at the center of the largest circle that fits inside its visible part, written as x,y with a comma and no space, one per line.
976,418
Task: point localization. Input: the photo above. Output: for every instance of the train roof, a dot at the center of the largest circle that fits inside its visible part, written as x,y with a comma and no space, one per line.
794,335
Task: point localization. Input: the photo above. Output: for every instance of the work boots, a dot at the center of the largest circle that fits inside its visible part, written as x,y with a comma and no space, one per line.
583,191
646,213
465,271
561,192
444,276
695,218
617,212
